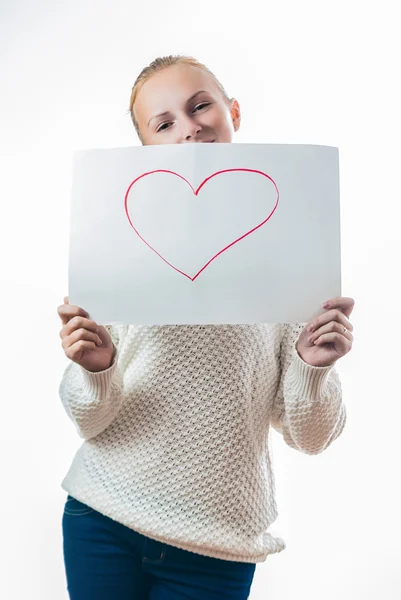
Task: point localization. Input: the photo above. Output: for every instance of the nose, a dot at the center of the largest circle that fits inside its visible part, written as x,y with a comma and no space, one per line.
190,130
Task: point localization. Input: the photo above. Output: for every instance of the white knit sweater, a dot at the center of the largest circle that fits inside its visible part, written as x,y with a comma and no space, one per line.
176,431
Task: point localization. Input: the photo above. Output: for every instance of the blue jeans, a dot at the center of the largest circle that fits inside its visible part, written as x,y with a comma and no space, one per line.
105,560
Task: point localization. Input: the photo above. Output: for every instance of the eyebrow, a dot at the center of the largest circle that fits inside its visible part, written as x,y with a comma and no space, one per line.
167,112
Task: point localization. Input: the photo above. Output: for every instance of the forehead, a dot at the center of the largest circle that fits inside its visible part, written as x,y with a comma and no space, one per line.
171,87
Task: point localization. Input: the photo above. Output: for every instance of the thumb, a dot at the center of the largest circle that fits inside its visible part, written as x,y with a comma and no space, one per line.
65,299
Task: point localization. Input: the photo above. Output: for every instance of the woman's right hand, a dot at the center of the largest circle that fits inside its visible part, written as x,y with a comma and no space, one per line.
85,342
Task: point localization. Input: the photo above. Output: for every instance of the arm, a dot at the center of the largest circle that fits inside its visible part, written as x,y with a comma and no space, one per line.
92,400
308,410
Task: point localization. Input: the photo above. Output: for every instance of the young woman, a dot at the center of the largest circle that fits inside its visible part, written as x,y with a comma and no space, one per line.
171,494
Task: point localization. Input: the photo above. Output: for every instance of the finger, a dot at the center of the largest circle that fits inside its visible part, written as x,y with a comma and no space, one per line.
79,335
337,338
65,299
77,323
331,315
333,326
343,303
68,311
75,351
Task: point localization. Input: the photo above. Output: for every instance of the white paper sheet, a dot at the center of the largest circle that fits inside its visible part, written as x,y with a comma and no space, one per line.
205,233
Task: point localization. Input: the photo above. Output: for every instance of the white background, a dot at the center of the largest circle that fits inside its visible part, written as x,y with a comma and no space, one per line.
303,72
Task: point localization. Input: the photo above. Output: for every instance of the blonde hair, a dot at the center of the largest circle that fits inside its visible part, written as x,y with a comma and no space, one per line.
157,65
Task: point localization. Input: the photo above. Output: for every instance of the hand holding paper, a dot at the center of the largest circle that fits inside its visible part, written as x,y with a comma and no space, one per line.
328,337
84,342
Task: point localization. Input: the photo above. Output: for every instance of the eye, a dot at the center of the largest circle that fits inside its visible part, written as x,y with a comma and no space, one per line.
201,105
162,127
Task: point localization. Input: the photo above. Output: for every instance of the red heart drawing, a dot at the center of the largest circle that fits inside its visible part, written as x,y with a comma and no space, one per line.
196,192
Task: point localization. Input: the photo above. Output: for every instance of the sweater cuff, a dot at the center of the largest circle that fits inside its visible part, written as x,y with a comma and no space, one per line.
308,381
98,383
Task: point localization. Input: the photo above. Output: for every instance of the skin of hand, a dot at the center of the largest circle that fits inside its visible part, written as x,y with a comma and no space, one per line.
323,341
84,342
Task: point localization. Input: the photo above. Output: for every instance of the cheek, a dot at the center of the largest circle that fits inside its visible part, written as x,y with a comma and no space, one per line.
155,139
219,120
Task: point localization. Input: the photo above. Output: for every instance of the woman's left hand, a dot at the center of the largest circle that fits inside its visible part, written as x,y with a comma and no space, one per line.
331,336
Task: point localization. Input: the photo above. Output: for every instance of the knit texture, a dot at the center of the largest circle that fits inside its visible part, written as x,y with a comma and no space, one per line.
176,431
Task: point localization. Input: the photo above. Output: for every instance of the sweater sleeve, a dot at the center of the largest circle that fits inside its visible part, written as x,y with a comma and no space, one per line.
92,400
308,410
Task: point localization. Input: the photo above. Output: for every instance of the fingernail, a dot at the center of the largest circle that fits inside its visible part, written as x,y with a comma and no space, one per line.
326,305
